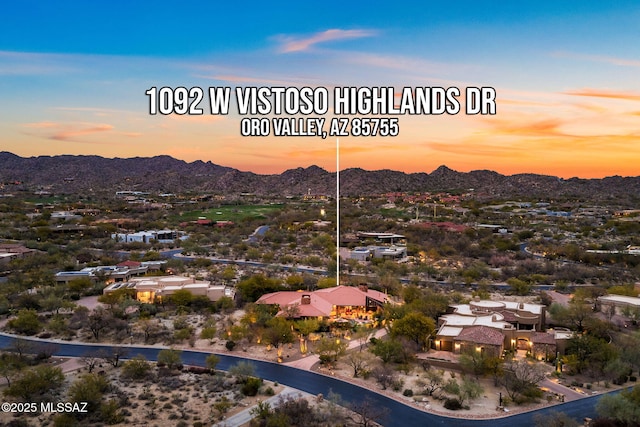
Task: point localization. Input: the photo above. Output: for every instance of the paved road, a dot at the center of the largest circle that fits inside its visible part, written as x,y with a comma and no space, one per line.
569,393
400,415
244,416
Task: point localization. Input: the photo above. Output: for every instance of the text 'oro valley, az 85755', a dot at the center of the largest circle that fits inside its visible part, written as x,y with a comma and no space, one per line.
318,112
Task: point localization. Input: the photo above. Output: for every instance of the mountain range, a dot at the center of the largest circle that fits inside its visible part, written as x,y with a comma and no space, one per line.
73,174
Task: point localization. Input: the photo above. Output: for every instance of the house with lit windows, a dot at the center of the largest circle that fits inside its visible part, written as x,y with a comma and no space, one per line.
492,327
151,288
339,302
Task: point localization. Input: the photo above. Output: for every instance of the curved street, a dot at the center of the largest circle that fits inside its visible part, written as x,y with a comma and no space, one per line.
400,415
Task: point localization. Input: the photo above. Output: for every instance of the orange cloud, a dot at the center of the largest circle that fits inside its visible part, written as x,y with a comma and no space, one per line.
69,132
546,127
476,148
597,93
41,125
65,135
507,101
291,44
96,110
203,118
597,58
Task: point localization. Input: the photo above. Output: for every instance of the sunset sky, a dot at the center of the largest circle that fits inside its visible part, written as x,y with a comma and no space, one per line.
73,76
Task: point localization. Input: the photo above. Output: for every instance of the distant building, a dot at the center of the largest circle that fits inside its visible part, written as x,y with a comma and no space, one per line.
109,273
391,246
149,289
384,252
65,215
160,236
619,304
11,251
388,238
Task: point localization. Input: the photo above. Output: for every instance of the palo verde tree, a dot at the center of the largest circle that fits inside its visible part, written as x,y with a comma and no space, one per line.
415,326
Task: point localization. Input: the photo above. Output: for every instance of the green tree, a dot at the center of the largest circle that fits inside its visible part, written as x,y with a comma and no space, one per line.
254,287
137,368
149,328
208,333
89,388
110,412
182,298
588,352
212,361
390,350
229,273
434,380
329,349
98,321
467,389
10,366
52,303
243,370
415,326
359,362
521,378
411,293
432,304
170,358
295,281
278,331
518,286
306,327
26,322
36,384
80,285
623,407
222,406
225,304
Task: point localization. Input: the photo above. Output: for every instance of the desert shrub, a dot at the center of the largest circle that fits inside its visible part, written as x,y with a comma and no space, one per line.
453,404
325,359
137,368
251,386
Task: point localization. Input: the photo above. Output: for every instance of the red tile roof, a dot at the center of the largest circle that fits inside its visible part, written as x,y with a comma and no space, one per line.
321,302
543,338
481,335
129,263
349,295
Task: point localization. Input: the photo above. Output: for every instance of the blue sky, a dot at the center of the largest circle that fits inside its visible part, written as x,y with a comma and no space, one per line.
73,76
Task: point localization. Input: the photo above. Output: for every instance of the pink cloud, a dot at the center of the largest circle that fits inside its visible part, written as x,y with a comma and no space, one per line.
41,125
292,44
69,132
66,134
230,78
598,58
631,96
